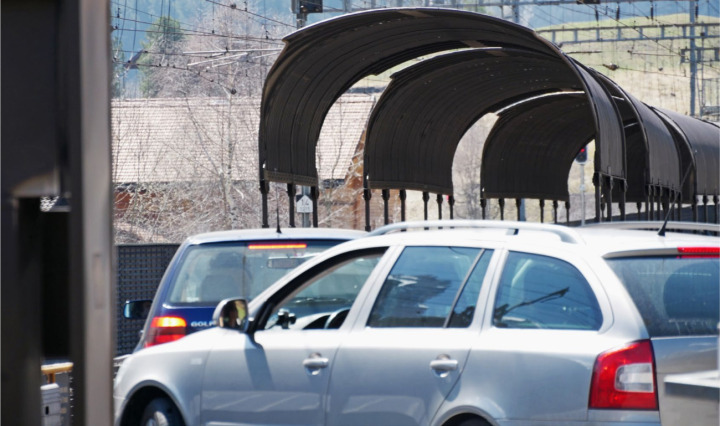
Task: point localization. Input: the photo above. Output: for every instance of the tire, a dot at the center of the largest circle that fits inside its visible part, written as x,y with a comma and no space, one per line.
472,421
161,412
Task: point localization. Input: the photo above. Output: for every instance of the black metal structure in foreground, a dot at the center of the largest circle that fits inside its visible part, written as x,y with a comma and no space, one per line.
58,284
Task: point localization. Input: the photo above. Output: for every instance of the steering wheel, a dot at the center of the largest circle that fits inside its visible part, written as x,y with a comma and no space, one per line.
336,319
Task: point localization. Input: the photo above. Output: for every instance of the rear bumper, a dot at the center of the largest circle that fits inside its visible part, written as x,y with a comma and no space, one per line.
597,418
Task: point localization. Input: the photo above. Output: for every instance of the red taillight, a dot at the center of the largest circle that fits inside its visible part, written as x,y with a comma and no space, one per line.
711,252
625,378
165,330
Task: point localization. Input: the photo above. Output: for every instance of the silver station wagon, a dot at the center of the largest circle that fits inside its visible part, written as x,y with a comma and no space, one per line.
488,323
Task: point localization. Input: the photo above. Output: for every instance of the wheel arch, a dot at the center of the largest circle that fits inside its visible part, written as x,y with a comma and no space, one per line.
133,409
465,419
461,414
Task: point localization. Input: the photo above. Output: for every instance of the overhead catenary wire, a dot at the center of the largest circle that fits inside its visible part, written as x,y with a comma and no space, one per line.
613,14
196,33
153,18
234,7
648,39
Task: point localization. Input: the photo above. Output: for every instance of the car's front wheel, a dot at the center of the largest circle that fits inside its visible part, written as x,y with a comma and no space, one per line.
161,412
472,421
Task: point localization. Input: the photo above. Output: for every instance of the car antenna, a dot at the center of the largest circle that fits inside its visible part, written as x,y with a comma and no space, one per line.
277,212
661,232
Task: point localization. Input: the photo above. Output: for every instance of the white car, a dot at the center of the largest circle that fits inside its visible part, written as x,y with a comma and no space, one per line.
489,323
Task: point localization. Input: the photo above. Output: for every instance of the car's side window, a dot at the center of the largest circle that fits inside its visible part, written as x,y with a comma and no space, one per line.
543,292
325,300
431,287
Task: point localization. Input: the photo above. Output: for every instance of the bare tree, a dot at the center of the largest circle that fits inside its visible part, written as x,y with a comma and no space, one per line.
466,172
186,161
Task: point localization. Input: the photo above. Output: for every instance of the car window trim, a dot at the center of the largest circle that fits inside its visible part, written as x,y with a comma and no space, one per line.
265,311
460,290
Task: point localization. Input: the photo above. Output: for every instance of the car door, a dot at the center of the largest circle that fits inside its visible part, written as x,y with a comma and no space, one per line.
406,352
279,375
534,361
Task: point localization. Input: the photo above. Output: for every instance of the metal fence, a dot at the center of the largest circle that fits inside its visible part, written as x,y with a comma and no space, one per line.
140,268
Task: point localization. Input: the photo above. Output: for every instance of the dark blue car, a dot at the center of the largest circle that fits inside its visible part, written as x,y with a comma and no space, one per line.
208,268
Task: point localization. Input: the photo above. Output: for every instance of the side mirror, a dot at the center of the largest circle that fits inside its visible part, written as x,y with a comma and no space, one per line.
137,309
231,313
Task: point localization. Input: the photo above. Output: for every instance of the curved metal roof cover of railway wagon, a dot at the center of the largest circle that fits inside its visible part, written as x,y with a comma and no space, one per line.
704,141
662,158
427,108
535,165
322,61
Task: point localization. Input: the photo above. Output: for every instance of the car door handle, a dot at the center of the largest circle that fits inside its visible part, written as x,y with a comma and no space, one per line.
444,364
315,362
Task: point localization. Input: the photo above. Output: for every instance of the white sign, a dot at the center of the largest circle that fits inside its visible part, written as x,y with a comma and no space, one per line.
304,205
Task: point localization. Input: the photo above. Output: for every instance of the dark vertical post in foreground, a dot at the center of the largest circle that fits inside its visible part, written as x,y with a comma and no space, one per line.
367,195
386,213
264,196
58,275
314,195
651,203
623,200
291,204
403,196
598,182
609,198
567,212
425,198
439,200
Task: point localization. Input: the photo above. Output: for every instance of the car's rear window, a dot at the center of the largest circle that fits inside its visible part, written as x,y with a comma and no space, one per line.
676,295
209,273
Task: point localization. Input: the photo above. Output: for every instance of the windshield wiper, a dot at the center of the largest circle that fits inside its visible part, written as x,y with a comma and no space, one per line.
503,310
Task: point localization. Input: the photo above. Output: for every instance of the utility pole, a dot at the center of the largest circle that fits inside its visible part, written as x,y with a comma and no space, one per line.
693,57
301,8
300,19
581,158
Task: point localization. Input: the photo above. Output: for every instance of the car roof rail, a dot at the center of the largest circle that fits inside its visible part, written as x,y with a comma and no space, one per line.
656,225
566,234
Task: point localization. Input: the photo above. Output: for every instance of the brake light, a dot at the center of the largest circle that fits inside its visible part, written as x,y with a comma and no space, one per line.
277,246
625,378
710,252
165,330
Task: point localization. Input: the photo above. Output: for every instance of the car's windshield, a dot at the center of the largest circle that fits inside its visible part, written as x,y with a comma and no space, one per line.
676,295
209,273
